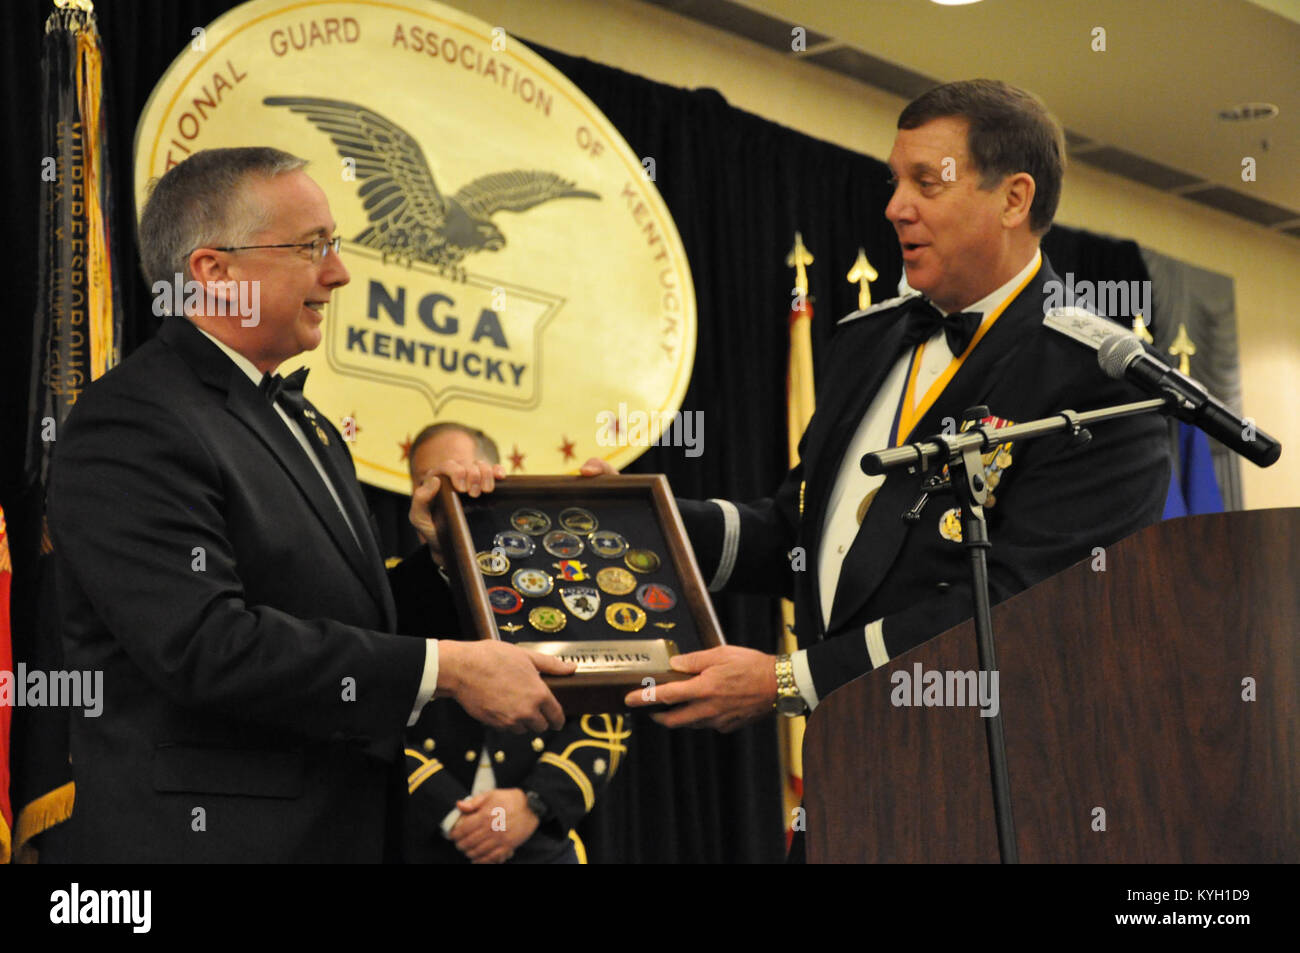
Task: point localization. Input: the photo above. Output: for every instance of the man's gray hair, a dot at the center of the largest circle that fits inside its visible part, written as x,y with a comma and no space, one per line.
484,446
204,201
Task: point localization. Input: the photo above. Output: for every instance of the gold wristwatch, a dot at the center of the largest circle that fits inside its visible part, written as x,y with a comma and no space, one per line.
788,700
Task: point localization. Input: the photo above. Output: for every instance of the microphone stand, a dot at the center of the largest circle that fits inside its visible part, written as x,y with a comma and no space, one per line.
962,453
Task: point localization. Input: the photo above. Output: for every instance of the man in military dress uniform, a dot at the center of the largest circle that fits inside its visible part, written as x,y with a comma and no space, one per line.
475,794
977,168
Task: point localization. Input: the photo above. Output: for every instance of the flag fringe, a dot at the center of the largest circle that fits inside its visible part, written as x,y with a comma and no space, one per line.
53,807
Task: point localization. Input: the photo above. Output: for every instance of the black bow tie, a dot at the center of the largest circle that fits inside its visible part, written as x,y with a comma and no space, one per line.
288,388
924,321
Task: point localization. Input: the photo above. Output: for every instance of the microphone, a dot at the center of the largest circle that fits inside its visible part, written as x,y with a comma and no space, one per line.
1122,357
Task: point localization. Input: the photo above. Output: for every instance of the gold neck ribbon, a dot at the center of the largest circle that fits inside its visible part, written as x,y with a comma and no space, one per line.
911,412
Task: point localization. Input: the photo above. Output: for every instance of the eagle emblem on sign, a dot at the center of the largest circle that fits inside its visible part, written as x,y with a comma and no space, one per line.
410,217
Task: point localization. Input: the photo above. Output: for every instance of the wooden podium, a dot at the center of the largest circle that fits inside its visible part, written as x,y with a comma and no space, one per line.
1122,690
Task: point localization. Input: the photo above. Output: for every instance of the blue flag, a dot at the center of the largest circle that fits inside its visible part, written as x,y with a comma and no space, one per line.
1193,488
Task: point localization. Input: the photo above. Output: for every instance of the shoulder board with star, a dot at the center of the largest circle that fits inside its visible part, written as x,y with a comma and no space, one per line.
883,306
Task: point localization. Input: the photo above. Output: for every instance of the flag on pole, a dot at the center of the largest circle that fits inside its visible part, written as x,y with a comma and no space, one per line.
6,668
1193,487
800,400
77,338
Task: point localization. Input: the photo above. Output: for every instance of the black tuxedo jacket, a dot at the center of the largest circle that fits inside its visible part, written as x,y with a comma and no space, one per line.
1054,504
253,693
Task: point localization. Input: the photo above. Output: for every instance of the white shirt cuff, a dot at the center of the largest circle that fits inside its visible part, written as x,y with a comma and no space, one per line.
803,679
449,821
428,681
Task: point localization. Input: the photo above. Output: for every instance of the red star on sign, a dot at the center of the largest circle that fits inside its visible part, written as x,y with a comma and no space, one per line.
516,459
350,428
566,448
406,447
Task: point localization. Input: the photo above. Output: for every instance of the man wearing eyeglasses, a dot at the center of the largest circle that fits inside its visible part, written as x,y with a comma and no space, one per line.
217,561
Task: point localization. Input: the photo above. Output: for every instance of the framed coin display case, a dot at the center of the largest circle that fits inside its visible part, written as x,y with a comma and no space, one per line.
597,570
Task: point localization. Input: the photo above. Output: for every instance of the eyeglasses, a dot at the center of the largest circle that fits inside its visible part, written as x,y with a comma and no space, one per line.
319,248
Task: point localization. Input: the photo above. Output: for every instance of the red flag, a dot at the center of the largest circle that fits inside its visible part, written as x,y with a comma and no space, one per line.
6,713
799,410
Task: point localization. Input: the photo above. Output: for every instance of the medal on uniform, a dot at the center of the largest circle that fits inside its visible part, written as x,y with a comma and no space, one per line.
950,525
559,542
547,619
577,520
642,560
582,601
533,582
530,521
625,617
665,625
656,597
510,627
607,543
616,580
492,563
571,570
504,600
514,543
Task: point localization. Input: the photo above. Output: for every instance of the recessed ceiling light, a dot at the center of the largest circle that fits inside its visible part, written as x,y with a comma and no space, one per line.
1244,112
953,3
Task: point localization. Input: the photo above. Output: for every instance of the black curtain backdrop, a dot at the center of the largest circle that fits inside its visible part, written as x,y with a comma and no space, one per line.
738,187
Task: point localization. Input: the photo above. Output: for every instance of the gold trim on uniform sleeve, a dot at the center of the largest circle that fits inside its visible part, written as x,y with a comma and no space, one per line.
575,773
427,769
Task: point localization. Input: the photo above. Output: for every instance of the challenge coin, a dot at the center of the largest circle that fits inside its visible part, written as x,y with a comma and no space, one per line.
642,560
625,617
504,600
492,563
616,580
530,521
562,543
607,543
571,570
656,597
547,619
577,520
533,582
582,601
514,543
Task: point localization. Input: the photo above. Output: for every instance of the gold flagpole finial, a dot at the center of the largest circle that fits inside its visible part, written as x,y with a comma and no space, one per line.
863,274
1183,349
1140,329
799,259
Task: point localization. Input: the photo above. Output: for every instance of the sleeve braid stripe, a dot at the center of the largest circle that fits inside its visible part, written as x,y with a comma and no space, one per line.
422,774
875,636
575,774
730,544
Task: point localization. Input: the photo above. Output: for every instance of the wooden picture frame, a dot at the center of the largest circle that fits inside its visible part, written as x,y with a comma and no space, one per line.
640,508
